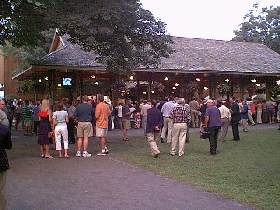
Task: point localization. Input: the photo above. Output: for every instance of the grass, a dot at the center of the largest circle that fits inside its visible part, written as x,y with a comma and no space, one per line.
247,171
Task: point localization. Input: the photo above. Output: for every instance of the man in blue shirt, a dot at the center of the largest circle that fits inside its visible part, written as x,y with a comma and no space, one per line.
213,123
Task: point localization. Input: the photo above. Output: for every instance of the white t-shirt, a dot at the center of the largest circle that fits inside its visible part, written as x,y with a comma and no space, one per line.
60,117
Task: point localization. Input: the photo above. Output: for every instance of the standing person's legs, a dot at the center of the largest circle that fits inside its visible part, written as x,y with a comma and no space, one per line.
223,128
244,123
165,127
212,140
64,133
57,132
144,123
175,138
101,133
169,132
196,119
87,129
70,128
251,117
80,135
193,118
259,117
182,138
126,126
235,131
2,193
151,139
216,138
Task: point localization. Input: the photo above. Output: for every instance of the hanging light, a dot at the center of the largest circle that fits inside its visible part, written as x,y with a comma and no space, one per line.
227,80
258,85
59,85
253,80
205,88
92,76
176,84
40,80
144,93
131,77
166,79
197,79
46,78
152,91
174,88
96,83
278,82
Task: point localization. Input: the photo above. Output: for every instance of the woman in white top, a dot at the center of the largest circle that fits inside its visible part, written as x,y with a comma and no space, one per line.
60,119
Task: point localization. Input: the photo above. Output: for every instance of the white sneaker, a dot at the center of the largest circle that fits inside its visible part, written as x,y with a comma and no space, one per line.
78,154
103,153
86,154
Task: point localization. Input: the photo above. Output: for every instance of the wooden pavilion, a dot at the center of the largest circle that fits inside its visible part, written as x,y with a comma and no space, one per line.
198,67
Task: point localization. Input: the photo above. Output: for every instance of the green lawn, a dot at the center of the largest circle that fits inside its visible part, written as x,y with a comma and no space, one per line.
247,171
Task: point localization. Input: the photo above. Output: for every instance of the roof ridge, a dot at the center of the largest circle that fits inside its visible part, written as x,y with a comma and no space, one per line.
56,51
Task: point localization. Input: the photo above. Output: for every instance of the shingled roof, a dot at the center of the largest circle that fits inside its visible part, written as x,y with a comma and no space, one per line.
190,56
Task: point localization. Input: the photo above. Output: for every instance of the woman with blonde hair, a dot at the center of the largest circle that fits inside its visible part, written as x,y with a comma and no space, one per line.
44,138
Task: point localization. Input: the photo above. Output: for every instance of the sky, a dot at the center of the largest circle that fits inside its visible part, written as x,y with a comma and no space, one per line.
209,19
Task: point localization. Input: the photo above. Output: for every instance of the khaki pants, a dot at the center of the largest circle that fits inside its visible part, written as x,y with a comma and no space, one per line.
179,134
167,126
224,129
194,118
2,194
152,141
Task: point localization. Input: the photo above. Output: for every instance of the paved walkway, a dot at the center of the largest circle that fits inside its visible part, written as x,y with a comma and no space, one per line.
96,183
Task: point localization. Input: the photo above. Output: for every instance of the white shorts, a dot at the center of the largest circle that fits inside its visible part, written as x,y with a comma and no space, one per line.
101,132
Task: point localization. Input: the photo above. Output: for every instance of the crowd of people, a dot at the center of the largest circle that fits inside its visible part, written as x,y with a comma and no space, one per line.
167,121
73,122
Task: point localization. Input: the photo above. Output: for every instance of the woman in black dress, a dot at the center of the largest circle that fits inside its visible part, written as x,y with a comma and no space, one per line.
44,139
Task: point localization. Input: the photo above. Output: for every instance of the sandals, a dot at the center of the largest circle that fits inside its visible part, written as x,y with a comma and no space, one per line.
49,157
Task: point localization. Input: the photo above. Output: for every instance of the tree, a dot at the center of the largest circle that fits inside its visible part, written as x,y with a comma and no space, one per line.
261,26
121,32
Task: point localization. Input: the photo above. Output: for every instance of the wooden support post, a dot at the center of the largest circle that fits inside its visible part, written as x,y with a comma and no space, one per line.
268,86
212,86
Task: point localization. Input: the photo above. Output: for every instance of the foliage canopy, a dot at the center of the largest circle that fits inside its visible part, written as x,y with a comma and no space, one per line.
262,26
121,32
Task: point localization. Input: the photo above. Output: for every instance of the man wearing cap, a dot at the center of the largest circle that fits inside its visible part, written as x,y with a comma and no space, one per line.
213,123
181,116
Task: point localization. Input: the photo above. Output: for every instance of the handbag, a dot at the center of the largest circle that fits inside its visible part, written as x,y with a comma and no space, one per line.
204,133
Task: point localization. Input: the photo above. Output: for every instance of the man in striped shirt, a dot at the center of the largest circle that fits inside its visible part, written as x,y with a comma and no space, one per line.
181,115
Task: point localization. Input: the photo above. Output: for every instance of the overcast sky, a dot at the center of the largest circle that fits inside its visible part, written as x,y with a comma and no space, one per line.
211,19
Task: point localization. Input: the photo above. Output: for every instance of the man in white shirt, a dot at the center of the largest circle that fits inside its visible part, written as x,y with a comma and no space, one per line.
167,121
225,119
143,113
